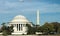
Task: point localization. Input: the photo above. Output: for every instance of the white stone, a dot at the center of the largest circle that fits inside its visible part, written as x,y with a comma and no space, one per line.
22,21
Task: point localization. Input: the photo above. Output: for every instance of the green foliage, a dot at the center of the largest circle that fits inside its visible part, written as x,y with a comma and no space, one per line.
11,28
48,27
38,28
51,27
31,30
6,29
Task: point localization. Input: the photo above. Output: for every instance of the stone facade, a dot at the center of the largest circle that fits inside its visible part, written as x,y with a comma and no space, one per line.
19,22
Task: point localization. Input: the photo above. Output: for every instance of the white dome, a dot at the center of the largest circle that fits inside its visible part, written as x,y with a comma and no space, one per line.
19,18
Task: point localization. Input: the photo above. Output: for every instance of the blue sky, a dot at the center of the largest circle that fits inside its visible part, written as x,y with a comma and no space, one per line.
49,10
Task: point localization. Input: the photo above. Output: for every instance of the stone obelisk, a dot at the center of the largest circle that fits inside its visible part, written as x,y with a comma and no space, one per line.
38,18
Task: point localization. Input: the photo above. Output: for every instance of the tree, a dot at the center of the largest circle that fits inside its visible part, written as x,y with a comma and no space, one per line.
31,30
10,30
4,29
7,30
56,26
53,27
47,28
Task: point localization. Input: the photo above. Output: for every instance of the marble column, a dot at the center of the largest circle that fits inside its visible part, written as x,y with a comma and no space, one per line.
16,27
20,26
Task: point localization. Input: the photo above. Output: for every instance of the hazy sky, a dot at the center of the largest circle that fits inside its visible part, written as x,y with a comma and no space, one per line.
49,10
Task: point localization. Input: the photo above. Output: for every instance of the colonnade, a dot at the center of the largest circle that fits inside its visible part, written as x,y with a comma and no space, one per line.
19,26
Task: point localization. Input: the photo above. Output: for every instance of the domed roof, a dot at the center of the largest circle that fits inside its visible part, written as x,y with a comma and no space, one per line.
19,18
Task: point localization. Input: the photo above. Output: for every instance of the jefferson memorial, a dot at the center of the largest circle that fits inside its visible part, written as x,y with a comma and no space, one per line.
19,22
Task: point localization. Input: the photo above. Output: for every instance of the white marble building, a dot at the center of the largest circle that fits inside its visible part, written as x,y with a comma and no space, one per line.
19,22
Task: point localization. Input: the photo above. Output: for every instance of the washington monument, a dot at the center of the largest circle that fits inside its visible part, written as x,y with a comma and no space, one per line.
38,18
